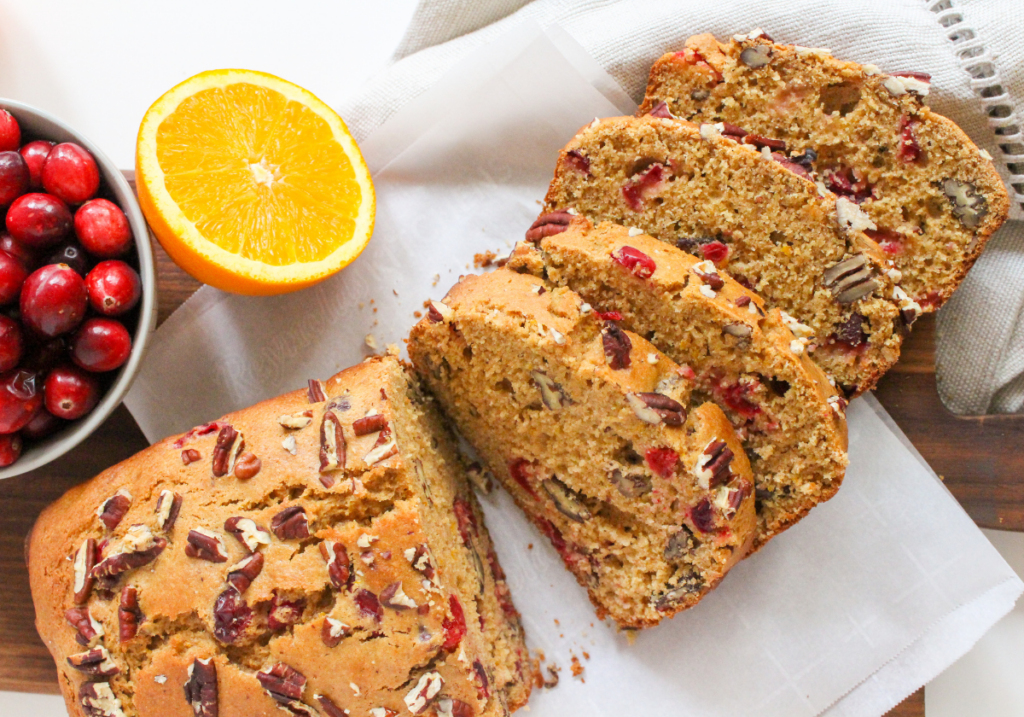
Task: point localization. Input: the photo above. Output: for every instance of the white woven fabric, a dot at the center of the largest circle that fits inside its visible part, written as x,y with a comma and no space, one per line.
972,48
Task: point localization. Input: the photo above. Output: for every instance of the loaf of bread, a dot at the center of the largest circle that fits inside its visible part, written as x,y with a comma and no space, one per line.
931,197
645,494
316,554
755,219
741,355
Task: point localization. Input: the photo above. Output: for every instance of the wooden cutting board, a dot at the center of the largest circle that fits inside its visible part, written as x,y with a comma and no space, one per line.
979,458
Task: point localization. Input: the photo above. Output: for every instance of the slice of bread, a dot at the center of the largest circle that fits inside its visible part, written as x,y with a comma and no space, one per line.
646,495
320,553
791,420
763,224
932,197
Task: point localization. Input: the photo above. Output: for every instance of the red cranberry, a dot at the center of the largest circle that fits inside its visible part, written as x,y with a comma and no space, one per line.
38,221
715,251
10,449
454,626
70,173
12,343
12,276
10,132
101,345
72,254
103,229
14,177
35,154
26,256
41,425
53,300
635,261
70,392
114,288
20,398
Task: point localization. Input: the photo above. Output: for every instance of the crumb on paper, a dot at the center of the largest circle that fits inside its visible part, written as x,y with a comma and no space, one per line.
551,680
586,655
630,636
529,546
371,342
417,314
557,622
577,668
484,259
395,292
362,305
437,278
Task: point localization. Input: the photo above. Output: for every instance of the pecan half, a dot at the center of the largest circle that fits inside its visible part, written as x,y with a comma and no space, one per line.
369,605
713,465
241,574
617,346
296,420
339,565
968,206
128,613
247,466
656,408
369,424
168,505
206,545
95,663
384,448
631,485
226,451
315,391
680,544
568,502
88,628
85,561
291,523
231,615
426,690
282,682
548,224
248,533
551,393
756,56
332,446
851,279
140,546
98,700
201,687
394,597
334,631
284,613
112,511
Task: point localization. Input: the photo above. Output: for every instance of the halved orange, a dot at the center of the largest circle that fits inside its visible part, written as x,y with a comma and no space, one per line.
251,183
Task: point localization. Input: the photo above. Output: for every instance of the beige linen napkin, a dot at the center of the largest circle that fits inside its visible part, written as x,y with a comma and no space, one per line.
974,50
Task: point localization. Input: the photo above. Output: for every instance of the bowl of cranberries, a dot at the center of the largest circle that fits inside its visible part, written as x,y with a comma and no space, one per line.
77,288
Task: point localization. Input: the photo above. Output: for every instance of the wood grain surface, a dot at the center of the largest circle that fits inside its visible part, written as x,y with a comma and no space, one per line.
977,457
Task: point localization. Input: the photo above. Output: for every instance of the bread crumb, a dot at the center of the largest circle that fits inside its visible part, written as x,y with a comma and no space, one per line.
530,546
551,680
417,314
484,259
577,668
437,278
371,342
586,655
395,292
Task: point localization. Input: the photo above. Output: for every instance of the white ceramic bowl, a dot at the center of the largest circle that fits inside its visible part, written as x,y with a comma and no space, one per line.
38,124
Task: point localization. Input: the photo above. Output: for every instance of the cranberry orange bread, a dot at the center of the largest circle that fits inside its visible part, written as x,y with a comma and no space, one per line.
646,497
316,554
765,225
742,356
932,197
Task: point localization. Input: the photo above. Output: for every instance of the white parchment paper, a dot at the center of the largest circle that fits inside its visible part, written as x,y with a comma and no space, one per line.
872,595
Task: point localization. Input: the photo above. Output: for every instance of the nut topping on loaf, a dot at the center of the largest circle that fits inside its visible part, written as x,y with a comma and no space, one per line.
325,599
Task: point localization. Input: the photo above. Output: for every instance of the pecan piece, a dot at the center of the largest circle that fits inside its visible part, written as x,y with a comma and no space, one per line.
339,565
334,631
548,224
851,279
968,206
427,688
247,466
419,558
851,331
394,597
296,420
88,628
315,391
551,393
129,615
282,682
206,545
631,485
112,511
759,142
756,56
226,451
291,523
190,456
713,465
201,687
568,502
329,707
661,110
98,700
140,547
708,273
332,447
369,424
449,707
738,329
369,605
635,261
616,346
438,311
687,585
248,533
85,561
284,613
656,408
680,544
95,662
483,684
242,573
231,615
168,505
